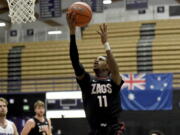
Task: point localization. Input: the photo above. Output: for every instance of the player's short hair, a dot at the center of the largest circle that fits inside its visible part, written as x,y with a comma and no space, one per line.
39,103
3,100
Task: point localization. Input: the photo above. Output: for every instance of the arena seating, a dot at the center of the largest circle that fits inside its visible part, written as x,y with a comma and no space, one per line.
45,66
166,49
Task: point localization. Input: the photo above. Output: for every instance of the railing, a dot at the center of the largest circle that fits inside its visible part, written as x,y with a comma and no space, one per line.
42,84
55,84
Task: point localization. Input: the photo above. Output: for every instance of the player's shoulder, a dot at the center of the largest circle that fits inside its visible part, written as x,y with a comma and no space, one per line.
49,120
30,122
85,78
121,82
10,122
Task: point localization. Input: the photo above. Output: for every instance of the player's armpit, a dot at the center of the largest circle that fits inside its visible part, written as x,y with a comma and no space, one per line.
80,77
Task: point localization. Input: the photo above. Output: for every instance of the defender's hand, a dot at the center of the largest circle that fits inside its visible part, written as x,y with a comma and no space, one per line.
103,33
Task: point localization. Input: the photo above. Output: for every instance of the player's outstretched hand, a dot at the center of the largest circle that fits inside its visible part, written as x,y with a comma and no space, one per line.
103,33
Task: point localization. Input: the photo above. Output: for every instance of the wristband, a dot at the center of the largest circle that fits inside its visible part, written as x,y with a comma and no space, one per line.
107,46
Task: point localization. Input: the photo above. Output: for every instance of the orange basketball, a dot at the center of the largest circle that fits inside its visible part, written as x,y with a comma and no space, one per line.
83,13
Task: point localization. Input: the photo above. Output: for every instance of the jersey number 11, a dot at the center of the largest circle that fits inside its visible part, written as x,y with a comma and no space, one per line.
102,101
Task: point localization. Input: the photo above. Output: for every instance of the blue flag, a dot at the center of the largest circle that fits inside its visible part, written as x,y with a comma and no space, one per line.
147,92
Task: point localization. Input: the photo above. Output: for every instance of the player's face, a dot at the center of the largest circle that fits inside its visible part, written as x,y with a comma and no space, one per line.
100,63
3,109
40,110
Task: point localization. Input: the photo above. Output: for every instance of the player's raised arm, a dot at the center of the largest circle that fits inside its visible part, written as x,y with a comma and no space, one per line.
74,56
113,66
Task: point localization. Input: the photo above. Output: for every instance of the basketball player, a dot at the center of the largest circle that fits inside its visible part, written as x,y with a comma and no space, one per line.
39,125
100,93
6,127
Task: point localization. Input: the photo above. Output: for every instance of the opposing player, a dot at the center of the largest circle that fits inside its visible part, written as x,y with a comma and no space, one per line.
6,127
101,98
39,125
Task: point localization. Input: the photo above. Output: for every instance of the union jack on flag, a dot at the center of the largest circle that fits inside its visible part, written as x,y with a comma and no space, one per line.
134,81
149,91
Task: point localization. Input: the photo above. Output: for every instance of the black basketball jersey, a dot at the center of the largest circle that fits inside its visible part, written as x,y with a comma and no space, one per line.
37,130
101,100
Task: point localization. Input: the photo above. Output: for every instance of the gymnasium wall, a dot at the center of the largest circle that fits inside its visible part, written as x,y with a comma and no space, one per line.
119,13
115,12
